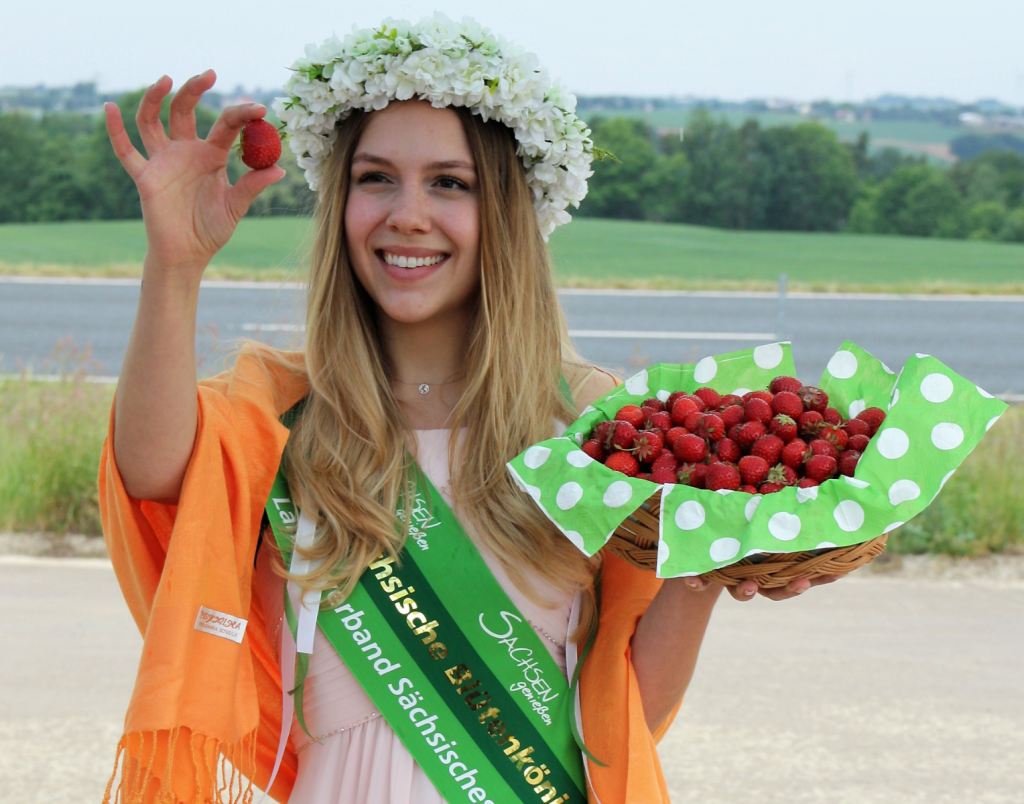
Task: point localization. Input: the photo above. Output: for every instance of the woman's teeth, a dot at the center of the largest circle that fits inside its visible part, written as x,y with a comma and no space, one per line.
411,262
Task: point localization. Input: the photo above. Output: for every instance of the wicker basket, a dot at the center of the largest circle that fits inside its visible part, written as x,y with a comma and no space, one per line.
636,541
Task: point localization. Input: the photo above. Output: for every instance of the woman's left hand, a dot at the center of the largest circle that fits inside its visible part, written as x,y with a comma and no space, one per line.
745,590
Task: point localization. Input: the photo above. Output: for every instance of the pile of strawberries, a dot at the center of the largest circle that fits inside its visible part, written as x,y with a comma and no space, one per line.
758,443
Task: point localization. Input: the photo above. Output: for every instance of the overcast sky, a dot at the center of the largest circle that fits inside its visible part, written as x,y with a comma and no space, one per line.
733,49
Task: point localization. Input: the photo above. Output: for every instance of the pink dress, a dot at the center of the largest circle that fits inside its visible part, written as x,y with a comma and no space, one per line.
358,758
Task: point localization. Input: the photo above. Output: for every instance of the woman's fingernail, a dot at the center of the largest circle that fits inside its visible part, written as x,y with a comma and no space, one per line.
800,590
693,583
749,592
257,106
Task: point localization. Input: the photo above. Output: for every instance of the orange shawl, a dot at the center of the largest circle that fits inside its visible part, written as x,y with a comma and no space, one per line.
200,700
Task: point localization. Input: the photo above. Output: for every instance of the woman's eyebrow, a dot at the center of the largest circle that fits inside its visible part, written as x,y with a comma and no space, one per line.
380,160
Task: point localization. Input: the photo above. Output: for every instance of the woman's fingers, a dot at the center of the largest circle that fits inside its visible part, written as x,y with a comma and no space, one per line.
183,105
250,185
232,119
148,117
127,155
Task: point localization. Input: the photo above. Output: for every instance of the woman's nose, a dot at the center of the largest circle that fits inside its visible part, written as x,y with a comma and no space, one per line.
411,209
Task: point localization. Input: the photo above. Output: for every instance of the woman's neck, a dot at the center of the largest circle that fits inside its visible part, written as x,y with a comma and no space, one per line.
428,353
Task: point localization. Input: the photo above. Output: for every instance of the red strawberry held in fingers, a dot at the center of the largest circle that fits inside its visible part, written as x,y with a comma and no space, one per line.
260,144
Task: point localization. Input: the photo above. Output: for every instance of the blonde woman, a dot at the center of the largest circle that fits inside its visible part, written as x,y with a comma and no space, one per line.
434,339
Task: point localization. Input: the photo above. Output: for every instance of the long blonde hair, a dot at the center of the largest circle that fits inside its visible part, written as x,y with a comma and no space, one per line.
346,460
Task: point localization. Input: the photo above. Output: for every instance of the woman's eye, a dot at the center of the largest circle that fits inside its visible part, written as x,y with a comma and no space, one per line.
457,184
366,177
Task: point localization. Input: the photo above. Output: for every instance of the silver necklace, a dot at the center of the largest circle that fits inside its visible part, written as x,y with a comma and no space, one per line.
424,388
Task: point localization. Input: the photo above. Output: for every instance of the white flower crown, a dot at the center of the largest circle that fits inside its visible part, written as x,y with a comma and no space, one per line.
448,64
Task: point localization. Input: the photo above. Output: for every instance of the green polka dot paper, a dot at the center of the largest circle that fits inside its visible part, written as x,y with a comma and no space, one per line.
935,418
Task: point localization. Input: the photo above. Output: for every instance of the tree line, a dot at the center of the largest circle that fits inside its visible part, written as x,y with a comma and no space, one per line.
794,178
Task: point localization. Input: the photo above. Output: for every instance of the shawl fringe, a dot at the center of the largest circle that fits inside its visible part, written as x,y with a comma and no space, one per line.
160,767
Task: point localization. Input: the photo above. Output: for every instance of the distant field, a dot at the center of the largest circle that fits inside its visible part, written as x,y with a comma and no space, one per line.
588,252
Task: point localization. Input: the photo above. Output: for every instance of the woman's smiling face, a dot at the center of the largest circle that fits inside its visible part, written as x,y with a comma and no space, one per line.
414,197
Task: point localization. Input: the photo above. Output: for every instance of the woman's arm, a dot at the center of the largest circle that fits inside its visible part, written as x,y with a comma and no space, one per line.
190,212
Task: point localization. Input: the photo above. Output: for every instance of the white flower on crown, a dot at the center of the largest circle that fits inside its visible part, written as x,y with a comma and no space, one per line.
447,64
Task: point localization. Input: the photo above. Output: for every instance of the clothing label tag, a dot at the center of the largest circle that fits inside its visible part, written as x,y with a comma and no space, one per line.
220,624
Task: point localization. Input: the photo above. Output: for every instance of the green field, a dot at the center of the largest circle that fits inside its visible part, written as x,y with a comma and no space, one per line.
589,252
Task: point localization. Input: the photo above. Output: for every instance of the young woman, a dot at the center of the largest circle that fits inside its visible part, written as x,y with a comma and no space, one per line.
434,338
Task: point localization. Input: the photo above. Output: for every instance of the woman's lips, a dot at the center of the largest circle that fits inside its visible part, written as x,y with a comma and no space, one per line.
408,274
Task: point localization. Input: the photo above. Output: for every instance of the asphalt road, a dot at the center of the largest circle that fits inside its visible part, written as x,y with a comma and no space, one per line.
978,337
870,691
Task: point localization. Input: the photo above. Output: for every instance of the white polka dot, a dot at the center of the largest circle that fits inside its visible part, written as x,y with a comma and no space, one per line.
568,495
809,493
705,370
537,456
849,515
725,492
783,526
724,549
690,515
885,368
663,395
922,356
662,554
893,527
903,491
579,439
945,480
895,397
992,421
768,356
575,538
857,406
983,392
588,409
637,384
843,365
893,443
618,493
824,546
751,506
936,388
856,482
578,458
947,435
741,391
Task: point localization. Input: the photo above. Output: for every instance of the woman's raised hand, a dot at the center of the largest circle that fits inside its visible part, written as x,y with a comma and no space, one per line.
189,207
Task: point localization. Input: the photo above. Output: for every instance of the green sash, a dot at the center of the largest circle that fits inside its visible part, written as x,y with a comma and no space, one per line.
458,673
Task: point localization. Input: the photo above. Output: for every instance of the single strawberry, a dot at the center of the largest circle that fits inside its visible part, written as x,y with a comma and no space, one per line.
813,398
655,403
662,421
260,144
795,453
768,447
672,399
690,448
594,449
648,445
753,469
791,384
648,411
728,400
757,410
749,432
856,427
682,408
623,462
631,414
710,396
727,450
784,475
722,476
783,426
623,436
733,414
734,431
788,404
749,489
806,483
810,423
602,432
691,421
711,427
848,462
819,446
700,403
769,488
663,475
673,434
836,435
874,418
819,467
666,459
858,442
831,415
764,396
692,474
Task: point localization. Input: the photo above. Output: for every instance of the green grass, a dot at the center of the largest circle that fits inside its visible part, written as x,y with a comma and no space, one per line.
587,253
